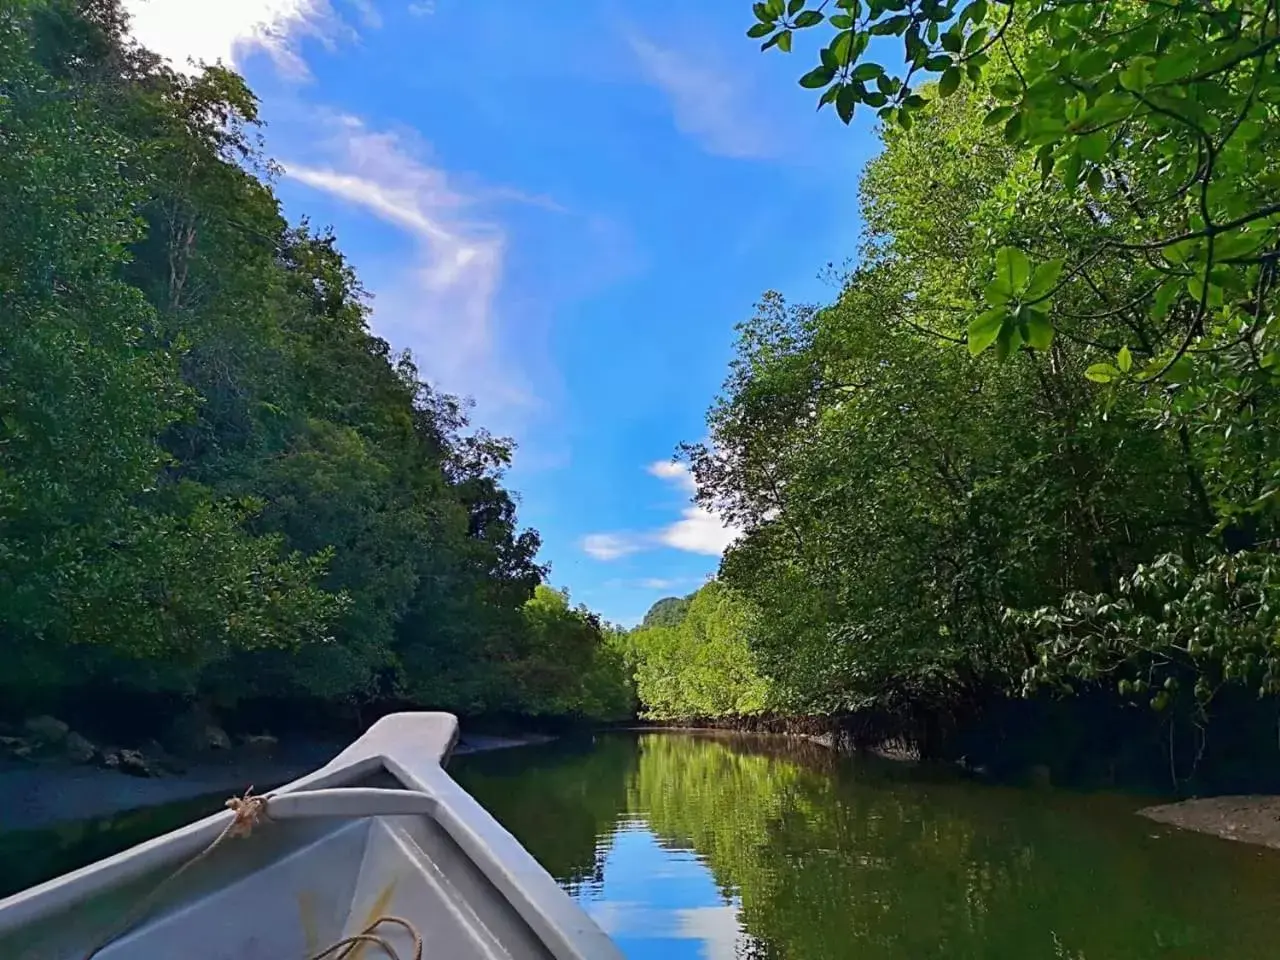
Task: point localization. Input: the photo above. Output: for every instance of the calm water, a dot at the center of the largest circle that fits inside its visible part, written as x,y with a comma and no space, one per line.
711,847
697,846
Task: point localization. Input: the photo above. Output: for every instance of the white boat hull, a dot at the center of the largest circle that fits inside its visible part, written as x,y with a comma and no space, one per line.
335,863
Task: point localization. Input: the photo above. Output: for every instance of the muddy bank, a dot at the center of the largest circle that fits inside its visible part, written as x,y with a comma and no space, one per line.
35,796
1248,819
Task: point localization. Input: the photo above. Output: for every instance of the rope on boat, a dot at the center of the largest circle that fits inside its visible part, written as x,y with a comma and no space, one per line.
347,944
249,811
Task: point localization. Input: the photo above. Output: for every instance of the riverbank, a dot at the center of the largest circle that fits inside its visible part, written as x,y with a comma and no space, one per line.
1247,819
35,796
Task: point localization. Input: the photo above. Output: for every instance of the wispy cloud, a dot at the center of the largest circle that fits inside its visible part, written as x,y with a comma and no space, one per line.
608,546
422,8
227,30
369,14
656,583
442,306
710,102
675,473
697,531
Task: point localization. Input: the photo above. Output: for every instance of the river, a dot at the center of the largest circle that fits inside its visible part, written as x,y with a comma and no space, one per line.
716,847
719,847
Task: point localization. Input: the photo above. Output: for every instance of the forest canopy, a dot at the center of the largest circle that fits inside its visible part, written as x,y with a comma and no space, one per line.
215,480
1033,444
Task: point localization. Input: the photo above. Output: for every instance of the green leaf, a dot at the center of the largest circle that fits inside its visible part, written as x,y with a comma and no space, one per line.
846,101
1102,373
841,21
1013,129
1137,74
1182,252
762,13
891,25
1174,65
810,18
817,78
1071,170
984,329
867,71
949,82
759,30
1228,246
997,293
1043,279
1094,181
794,7
975,41
937,63
1013,269
1008,342
1196,287
998,115
774,7
1094,146
1167,293
975,12
1039,330
784,41
1108,108
1124,359
1046,161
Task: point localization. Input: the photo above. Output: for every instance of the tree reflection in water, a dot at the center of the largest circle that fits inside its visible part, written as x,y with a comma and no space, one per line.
718,846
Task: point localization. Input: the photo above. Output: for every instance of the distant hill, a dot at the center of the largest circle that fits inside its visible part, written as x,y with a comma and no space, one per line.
667,612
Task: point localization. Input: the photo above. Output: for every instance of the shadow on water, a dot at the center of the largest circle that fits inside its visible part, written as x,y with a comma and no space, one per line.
34,856
721,846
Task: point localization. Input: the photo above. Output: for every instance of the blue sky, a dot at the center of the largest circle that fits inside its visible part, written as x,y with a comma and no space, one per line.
562,209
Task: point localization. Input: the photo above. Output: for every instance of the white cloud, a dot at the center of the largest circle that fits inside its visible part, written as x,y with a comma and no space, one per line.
422,8
369,14
677,473
608,546
227,30
443,305
708,101
697,531
717,928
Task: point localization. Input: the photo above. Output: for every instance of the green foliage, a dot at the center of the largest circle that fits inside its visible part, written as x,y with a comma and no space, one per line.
1173,106
1087,201
214,480
692,658
570,663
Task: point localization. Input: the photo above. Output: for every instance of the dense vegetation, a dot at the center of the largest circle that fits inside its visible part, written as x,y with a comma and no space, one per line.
692,658
214,480
1034,443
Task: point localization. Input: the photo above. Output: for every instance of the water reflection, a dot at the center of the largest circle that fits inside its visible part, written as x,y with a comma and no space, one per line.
691,846
654,900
